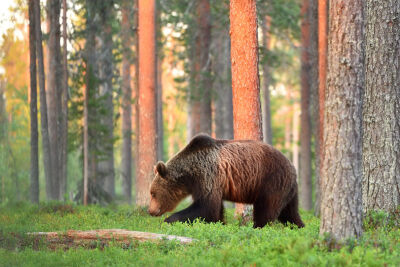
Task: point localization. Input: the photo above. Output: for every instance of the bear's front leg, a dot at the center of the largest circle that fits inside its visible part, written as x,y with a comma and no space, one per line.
174,218
208,210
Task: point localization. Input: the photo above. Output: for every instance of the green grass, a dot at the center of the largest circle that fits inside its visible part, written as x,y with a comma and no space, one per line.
217,245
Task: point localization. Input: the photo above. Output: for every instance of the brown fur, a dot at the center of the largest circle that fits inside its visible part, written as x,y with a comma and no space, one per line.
215,170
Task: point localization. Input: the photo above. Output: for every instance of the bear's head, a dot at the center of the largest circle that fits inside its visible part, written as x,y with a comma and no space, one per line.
166,192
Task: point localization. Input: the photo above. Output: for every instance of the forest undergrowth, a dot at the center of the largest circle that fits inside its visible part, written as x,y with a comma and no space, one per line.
229,244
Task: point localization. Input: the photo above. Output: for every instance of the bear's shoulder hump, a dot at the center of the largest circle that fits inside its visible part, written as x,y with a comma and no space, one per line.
201,141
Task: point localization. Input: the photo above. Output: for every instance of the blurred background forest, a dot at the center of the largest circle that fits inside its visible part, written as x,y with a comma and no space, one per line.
193,44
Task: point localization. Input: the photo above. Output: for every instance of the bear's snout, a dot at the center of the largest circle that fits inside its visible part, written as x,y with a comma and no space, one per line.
154,212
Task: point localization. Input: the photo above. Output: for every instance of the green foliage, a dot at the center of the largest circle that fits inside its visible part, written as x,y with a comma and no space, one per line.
14,117
388,221
217,245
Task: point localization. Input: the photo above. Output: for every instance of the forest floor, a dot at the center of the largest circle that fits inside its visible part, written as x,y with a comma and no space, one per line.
216,245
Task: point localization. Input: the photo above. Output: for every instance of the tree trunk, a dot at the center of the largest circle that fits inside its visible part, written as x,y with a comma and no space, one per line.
305,133
64,108
47,159
314,106
89,158
223,84
85,144
159,89
34,169
147,102
135,92
288,130
322,64
126,157
341,175
245,79
295,136
267,123
381,143
159,110
105,163
200,91
54,90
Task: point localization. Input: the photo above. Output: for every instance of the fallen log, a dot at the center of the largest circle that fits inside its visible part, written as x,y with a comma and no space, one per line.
94,238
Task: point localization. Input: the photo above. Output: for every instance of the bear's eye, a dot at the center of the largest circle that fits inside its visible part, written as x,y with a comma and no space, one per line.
153,195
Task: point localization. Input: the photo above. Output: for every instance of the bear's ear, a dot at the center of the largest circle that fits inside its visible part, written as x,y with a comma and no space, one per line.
161,168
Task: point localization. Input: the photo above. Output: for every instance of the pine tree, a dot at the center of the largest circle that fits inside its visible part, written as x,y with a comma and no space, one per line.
34,170
381,124
245,80
341,174
147,155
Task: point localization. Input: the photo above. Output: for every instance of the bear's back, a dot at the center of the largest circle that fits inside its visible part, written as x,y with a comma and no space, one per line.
247,165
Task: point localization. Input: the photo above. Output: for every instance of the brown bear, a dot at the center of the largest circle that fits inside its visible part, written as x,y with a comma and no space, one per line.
213,170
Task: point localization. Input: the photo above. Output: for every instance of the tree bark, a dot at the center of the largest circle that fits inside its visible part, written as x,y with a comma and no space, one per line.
245,80
47,158
159,110
89,158
381,143
147,103
54,91
159,89
64,108
322,64
314,98
126,157
295,136
305,133
222,83
341,175
288,130
105,163
135,92
267,123
34,167
200,91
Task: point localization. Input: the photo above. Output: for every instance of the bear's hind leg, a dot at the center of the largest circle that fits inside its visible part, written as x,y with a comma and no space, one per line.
265,211
290,214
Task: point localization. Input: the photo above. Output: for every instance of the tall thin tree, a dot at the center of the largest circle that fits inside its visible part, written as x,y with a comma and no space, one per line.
147,155
54,91
126,155
221,49
322,64
34,170
381,124
341,175
64,107
305,133
200,93
47,159
89,155
245,80
266,41
159,89
105,162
